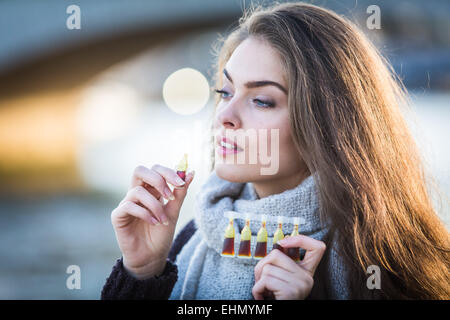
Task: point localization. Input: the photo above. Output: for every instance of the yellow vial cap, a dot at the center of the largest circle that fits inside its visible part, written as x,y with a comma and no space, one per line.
183,164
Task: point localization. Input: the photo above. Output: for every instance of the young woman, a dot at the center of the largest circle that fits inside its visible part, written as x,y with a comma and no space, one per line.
347,165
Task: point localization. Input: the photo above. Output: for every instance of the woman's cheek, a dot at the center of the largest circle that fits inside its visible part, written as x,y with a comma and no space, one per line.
288,156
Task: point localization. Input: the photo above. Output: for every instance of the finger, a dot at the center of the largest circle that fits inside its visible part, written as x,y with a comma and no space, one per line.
267,283
127,208
314,250
298,281
151,177
141,195
281,249
155,192
180,193
278,258
169,175
277,272
172,208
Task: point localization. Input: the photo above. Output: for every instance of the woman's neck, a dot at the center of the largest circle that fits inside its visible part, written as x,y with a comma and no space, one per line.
276,186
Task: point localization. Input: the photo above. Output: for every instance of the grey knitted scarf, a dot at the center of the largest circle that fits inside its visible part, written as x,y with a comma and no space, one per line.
204,274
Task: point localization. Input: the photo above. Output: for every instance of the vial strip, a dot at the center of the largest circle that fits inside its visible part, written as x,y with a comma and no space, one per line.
261,238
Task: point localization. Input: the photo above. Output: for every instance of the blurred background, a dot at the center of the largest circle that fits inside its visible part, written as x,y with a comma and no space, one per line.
81,108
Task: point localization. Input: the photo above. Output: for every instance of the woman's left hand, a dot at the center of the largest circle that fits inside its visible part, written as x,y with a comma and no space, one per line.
285,278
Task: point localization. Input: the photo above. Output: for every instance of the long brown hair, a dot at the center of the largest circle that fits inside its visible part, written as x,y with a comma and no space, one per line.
345,112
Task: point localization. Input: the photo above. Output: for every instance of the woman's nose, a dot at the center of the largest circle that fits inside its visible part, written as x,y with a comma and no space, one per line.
228,116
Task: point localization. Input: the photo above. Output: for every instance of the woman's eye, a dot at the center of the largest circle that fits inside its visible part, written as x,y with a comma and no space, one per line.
264,104
260,103
224,94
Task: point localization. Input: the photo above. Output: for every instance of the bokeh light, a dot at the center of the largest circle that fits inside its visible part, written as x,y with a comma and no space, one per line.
107,111
186,91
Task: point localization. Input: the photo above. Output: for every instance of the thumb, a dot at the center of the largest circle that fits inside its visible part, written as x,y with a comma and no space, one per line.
172,207
314,250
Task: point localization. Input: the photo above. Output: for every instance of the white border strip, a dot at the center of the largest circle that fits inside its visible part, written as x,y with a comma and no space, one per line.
257,217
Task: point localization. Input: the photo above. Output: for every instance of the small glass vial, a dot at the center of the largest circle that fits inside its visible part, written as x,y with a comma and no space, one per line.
294,253
278,235
182,167
228,241
261,240
245,243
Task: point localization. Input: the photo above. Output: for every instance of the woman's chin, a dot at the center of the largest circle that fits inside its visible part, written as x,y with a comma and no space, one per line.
233,173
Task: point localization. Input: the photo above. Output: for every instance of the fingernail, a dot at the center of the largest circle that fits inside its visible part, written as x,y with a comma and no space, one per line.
190,176
168,194
179,181
156,222
164,220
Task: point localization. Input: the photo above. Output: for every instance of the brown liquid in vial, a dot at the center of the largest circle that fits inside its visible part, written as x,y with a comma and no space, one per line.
277,246
228,247
261,250
244,249
294,253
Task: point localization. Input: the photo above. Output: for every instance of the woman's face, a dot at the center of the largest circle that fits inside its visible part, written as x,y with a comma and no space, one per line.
254,97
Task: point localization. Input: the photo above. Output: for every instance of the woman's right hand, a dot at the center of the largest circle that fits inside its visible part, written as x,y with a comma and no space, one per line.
144,225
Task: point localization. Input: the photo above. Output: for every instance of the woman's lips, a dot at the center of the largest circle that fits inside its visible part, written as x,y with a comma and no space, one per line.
226,146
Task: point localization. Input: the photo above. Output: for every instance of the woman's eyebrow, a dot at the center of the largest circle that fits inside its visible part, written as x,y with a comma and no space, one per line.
256,84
